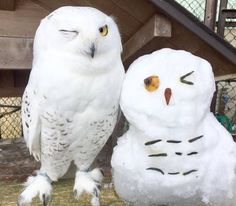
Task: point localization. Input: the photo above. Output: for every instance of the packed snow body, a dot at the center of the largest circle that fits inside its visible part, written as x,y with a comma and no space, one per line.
175,151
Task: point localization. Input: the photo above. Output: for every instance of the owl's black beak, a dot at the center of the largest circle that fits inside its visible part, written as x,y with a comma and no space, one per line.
92,50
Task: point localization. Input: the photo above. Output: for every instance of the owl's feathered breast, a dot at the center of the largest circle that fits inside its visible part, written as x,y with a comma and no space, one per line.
77,112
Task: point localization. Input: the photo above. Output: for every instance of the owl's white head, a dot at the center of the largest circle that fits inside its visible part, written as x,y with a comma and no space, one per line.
80,31
167,88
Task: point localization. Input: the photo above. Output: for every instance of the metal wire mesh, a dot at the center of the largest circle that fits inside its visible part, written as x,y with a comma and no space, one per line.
10,119
230,32
197,8
225,103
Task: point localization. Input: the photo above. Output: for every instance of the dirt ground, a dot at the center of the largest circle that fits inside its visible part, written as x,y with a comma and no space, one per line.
62,195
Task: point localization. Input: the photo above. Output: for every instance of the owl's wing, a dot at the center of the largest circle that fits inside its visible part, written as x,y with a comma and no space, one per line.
31,122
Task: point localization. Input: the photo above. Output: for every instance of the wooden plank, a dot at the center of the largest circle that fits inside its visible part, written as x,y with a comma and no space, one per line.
229,24
52,5
12,91
180,35
7,5
24,21
221,18
127,23
6,79
185,18
158,26
16,53
141,10
229,13
13,83
179,40
210,14
21,77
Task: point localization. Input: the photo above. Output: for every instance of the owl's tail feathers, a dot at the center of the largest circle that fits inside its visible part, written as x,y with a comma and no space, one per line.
39,185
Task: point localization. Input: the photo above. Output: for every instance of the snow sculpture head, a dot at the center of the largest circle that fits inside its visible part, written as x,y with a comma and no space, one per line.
168,88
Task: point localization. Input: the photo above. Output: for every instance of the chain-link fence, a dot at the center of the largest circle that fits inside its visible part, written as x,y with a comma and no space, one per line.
225,103
197,8
10,118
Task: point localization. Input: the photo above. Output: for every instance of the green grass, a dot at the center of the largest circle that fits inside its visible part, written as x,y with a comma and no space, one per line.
62,195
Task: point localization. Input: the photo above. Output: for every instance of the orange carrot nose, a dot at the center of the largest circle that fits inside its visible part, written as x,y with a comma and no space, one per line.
168,95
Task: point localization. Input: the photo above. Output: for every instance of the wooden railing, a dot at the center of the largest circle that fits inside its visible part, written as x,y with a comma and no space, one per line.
224,14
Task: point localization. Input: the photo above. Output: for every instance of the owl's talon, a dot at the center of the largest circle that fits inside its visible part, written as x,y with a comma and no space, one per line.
96,192
75,193
20,201
39,185
99,186
46,199
102,172
89,182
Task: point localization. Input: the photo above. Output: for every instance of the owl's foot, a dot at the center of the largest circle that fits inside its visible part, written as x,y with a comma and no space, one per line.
39,185
89,182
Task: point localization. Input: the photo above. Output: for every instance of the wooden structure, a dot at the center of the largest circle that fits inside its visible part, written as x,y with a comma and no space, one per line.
145,25
224,14
210,14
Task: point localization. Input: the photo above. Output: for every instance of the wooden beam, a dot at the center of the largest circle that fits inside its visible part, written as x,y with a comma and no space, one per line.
158,26
221,18
178,13
229,13
23,22
16,53
7,5
52,5
12,91
21,77
6,78
210,14
141,10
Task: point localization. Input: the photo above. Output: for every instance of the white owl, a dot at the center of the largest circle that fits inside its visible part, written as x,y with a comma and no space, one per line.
71,102
175,152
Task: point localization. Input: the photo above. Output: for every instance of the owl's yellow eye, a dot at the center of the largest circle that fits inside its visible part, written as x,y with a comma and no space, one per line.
103,30
152,83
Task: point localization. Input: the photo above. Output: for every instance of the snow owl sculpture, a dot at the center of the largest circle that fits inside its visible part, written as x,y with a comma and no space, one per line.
175,152
71,102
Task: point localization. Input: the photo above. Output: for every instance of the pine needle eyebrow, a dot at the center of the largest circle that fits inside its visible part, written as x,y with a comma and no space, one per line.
182,78
72,31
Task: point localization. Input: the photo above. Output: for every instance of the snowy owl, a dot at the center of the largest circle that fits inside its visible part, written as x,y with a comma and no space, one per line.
70,105
175,152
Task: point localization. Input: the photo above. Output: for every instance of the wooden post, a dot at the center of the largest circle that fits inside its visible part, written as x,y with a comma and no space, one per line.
7,5
158,26
210,14
16,53
221,20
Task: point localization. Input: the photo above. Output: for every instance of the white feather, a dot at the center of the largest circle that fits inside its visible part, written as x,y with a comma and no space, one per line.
73,96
